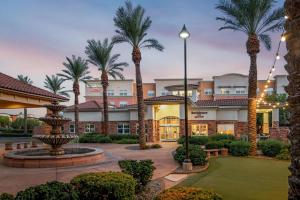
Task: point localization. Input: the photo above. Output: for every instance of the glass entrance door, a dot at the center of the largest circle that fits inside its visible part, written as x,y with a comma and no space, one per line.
169,129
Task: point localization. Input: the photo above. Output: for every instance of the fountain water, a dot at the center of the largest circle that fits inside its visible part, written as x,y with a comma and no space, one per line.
55,156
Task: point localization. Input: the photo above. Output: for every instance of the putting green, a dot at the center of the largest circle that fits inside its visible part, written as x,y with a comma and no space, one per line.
238,178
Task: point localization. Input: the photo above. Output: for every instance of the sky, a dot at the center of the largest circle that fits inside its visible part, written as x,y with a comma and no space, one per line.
36,36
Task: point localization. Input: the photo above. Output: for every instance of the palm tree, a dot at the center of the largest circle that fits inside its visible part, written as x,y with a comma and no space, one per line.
292,25
255,18
99,54
26,80
54,84
76,70
132,27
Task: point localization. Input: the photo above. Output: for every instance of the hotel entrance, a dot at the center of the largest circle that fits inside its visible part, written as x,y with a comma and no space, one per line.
169,128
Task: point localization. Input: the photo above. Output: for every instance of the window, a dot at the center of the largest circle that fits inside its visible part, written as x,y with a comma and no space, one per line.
72,128
164,93
269,91
199,129
112,103
226,129
190,93
93,85
240,90
150,93
208,91
110,93
123,103
257,91
123,128
89,128
225,90
123,92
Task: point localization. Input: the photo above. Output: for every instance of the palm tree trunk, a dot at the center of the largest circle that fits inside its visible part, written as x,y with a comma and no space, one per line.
25,121
136,57
76,102
104,82
252,49
292,8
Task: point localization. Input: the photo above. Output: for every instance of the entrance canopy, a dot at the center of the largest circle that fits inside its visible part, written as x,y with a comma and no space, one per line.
16,94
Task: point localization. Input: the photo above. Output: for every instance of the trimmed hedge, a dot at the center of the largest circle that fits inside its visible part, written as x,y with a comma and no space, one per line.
197,155
219,137
141,171
284,154
188,193
270,147
239,148
214,145
155,146
105,185
197,140
126,141
94,138
49,191
125,136
6,196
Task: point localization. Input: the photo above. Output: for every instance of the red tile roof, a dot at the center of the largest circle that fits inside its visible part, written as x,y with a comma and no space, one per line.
86,106
222,102
12,84
167,98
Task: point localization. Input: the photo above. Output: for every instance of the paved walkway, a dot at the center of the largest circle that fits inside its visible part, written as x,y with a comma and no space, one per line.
13,180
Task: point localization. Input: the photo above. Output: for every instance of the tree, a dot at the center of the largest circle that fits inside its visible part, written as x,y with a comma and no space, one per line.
25,80
76,70
292,10
132,27
54,84
255,18
99,54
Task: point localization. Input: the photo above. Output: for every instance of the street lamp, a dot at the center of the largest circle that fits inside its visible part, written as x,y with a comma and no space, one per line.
187,165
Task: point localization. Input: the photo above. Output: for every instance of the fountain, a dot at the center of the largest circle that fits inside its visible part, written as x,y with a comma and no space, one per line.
55,156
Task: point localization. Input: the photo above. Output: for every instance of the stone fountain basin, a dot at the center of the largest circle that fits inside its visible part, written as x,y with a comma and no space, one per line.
40,158
55,107
56,140
54,121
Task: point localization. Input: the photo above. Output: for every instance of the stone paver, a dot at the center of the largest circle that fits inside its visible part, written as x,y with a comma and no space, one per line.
13,180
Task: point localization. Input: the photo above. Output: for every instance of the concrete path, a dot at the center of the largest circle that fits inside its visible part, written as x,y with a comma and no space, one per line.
13,180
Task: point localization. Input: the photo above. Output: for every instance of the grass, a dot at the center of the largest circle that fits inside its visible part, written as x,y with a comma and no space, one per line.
238,178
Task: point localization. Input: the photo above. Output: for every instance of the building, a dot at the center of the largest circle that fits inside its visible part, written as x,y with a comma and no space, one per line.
215,106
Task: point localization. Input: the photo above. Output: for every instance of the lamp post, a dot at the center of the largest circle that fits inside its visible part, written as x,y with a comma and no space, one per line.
187,165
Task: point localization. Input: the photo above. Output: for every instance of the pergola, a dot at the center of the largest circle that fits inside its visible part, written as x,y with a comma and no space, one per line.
16,94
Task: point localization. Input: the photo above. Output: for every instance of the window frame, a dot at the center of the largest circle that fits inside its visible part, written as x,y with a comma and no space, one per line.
110,93
225,91
89,128
201,133
150,93
123,92
206,91
72,125
123,127
224,132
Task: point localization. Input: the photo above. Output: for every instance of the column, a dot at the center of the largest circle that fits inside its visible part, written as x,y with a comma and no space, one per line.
275,118
266,122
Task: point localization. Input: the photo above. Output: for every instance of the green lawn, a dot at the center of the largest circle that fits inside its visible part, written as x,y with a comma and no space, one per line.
244,178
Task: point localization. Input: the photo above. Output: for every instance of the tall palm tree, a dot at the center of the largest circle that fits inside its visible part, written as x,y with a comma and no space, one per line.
132,27
54,84
76,70
256,19
26,80
99,54
292,25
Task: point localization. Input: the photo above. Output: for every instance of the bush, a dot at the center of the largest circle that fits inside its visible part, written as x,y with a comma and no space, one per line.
126,141
239,148
226,143
188,193
6,196
219,137
49,191
270,147
94,138
125,136
105,185
141,171
155,146
31,123
197,140
214,145
197,155
284,154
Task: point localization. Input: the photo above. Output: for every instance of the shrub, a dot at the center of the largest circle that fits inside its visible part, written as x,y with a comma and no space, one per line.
188,193
125,136
6,196
197,155
284,154
49,191
219,137
226,143
155,146
141,171
199,140
270,147
105,185
239,148
126,141
94,138
214,145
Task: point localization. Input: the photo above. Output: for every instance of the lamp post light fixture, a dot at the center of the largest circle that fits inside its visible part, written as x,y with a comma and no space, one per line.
187,165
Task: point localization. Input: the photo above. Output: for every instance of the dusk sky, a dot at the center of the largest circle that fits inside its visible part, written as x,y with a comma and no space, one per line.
36,36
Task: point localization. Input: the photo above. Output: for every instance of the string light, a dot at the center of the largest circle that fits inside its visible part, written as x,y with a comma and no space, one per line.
286,17
283,38
277,57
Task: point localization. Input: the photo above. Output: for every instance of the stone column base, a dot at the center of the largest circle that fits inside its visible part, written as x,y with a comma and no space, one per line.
187,166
